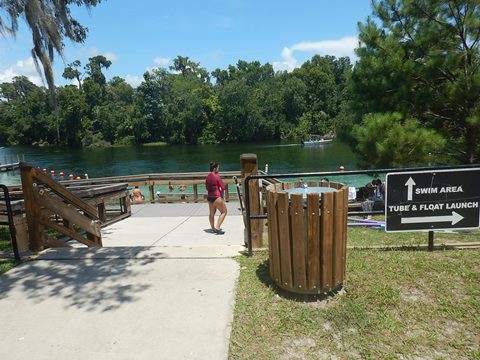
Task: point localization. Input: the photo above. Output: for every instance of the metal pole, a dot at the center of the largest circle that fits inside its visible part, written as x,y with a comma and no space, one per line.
237,186
11,225
430,241
247,214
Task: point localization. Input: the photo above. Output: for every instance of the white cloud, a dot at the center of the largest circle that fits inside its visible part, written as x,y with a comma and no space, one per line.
93,51
162,61
111,56
21,68
338,48
134,80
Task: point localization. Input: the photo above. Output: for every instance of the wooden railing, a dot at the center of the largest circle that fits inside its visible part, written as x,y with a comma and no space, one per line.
45,201
194,179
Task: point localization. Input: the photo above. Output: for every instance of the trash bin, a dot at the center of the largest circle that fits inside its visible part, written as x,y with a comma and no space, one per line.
307,233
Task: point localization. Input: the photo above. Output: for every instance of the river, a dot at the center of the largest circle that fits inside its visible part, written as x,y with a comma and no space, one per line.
115,161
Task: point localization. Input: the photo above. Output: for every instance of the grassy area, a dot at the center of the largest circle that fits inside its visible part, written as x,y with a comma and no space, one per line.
362,236
5,246
156,143
395,304
6,264
5,242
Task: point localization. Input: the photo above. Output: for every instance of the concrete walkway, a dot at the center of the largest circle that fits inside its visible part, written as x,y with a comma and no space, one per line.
163,287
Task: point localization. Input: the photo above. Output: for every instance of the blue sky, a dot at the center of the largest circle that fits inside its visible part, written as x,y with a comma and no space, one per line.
141,35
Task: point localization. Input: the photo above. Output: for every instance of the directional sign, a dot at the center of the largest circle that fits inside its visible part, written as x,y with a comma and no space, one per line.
433,200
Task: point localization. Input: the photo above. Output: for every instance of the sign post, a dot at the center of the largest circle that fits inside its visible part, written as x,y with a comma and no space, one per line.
432,200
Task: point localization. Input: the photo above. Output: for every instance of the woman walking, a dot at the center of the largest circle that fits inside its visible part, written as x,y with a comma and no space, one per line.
215,188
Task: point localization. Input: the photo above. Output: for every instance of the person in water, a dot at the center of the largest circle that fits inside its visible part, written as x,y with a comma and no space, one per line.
137,195
215,189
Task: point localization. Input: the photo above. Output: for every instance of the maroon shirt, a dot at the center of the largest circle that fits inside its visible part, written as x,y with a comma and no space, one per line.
214,185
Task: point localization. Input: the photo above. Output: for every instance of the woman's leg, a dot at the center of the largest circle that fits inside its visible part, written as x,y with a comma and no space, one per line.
222,207
211,215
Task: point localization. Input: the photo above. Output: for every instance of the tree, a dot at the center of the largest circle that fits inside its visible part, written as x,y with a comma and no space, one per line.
185,66
94,68
50,21
25,114
417,144
152,97
422,59
72,72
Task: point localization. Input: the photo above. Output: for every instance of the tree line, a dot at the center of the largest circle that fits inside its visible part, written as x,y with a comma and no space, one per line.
184,104
412,97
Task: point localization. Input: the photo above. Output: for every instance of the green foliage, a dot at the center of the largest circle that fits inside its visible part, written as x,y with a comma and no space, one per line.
94,140
50,22
391,140
247,102
422,58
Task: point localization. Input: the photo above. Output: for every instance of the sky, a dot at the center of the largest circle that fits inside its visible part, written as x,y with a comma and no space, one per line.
141,35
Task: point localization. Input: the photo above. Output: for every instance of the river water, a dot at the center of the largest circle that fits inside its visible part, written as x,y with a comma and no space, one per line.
116,161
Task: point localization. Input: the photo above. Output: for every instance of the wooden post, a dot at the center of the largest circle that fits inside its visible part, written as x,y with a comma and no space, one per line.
152,194
31,210
195,192
430,241
249,166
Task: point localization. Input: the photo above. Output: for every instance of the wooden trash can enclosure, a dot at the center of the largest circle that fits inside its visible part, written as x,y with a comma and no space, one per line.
307,235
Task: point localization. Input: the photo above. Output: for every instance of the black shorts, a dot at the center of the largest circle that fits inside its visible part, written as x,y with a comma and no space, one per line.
212,198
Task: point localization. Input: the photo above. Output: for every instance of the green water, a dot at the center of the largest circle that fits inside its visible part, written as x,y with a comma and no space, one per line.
281,158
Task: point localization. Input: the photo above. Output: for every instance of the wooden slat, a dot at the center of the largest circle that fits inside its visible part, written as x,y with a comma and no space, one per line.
61,191
102,212
298,241
312,183
68,232
31,209
16,206
284,239
273,238
324,183
107,197
256,209
326,240
313,242
66,211
52,242
97,190
345,224
338,234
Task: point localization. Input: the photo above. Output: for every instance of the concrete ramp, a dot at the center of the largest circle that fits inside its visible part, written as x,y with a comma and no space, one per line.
163,287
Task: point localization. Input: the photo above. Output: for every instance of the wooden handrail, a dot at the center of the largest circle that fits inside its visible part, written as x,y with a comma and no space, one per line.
43,201
60,190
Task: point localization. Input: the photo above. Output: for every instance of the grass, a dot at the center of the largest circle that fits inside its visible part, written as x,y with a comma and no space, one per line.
6,264
5,247
395,304
362,236
156,143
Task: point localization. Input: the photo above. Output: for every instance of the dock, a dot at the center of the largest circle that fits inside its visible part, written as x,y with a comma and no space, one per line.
9,167
11,162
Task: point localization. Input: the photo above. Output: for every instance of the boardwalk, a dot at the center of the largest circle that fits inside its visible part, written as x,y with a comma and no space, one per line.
163,287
